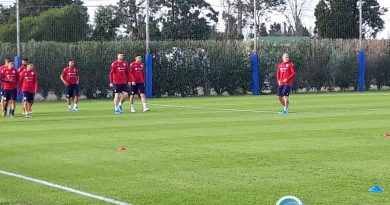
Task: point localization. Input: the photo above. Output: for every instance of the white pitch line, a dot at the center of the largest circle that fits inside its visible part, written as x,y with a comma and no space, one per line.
255,111
101,198
218,109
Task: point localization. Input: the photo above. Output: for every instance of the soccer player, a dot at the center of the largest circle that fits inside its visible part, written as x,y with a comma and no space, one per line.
285,74
137,76
29,85
119,81
24,65
70,78
10,79
21,70
6,60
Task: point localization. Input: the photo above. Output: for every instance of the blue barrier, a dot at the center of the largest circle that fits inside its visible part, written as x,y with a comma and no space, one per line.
362,70
17,64
255,74
149,75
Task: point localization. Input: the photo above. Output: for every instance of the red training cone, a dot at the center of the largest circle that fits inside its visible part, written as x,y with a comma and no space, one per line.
386,135
122,148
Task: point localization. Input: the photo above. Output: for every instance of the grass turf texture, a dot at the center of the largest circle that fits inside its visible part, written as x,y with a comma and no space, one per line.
329,150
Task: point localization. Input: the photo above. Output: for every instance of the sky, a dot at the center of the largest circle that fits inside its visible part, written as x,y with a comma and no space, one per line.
308,15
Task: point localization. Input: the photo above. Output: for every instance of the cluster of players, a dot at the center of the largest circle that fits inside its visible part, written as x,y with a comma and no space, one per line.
26,79
124,79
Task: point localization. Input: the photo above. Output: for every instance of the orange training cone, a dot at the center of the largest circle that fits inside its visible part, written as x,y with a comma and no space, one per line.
122,148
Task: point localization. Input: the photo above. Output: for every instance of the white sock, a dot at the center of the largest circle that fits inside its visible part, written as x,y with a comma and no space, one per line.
69,106
144,105
285,109
75,105
120,104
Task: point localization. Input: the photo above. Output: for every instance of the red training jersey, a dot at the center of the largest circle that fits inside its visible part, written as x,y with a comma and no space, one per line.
119,73
137,72
22,69
286,71
10,78
70,75
3,67
29,81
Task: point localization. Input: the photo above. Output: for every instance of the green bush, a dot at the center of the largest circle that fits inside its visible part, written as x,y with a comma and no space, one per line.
183,68
67,24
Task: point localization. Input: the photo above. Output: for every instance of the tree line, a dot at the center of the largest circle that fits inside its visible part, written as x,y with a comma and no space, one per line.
68,20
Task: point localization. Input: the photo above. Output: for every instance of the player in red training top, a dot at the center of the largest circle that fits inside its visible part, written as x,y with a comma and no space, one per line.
6,60
119,81
10,79
21,70
70,78
137,76
24,65
29,85
285,74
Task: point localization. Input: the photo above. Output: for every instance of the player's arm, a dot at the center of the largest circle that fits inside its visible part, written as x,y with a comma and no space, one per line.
132,74
62,78
143,73
3,78
278,76
111,75
77,82
36,82
21,80
17,81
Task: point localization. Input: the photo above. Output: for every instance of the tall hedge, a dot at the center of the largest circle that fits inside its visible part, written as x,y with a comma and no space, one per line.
190,68
67,24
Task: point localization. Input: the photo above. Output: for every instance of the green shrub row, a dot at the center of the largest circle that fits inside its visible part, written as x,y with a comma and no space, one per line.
190,68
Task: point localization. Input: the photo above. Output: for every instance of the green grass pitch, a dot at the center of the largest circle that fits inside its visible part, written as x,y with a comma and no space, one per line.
330,149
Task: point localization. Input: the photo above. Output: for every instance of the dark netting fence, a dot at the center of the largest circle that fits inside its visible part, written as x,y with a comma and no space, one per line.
198,47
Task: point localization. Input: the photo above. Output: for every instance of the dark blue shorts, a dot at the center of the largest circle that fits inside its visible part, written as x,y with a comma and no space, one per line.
72,90
10,94
283,90
138,87
29,97
119,88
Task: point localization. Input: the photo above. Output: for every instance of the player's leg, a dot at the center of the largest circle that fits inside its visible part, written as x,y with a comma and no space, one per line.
116,90
69,96
121,89
28,98
12,102
279,93
75,98
281,100
27,106
123,99
5,106
133,92
2,99
141,89
5,99
132,107
116,102
285,94
23,105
